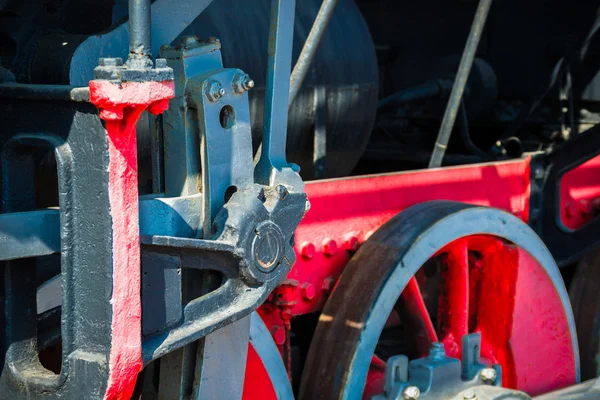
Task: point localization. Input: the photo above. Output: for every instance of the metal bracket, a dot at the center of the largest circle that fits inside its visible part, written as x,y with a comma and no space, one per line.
438,376
547,170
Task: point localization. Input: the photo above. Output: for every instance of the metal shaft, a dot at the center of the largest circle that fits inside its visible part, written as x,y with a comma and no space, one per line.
139,28
310,47
274,136
458,89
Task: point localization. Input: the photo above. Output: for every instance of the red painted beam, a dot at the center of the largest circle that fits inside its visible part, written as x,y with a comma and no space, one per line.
121,105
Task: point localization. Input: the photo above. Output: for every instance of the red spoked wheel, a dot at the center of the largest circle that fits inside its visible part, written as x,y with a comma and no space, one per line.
437,272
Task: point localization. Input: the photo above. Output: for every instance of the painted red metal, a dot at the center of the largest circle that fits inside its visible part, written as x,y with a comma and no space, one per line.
257,383
484,290
490,292
580,194
413,311
344,213
120,107
453,309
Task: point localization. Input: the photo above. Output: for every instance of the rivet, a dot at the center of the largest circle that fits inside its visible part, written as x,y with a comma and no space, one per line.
308,291
307,250
328,284
330,247
352,243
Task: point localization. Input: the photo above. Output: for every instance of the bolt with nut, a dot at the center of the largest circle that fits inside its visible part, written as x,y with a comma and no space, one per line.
242,83
488,375
411,393
214,91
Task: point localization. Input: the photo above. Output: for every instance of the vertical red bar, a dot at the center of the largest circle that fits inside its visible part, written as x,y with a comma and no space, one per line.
121,106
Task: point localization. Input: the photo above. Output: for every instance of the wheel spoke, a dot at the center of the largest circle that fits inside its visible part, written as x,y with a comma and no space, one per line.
453,310
414,313
494,307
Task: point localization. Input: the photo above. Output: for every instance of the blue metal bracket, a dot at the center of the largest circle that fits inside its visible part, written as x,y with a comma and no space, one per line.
272,167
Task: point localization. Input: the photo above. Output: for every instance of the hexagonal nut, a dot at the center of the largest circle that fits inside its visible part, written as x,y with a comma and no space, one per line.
214,91
242,83
411,393
488,375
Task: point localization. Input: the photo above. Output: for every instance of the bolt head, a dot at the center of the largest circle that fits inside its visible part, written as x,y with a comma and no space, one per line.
437,351
488,375
411,393
307,250
110,62
330,247
308,291
242,83
539,173
160,63
282,192
469,395
352,243
214,91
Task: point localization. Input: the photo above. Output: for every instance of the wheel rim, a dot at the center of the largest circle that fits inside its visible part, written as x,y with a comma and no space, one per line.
340,358
266,377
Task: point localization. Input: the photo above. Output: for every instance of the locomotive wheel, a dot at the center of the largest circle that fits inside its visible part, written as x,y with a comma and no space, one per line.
266,377
584,290
496,278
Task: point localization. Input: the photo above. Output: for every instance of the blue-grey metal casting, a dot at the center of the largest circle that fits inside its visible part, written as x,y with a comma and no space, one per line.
262,342
76,137
192,134
115,43
232,252
471,358
272,167
189,57
437,376
174,216
220,370
37,233
225,138
29,234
